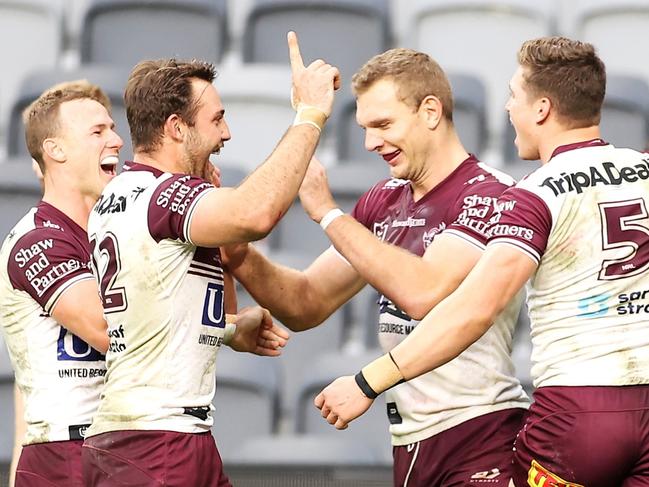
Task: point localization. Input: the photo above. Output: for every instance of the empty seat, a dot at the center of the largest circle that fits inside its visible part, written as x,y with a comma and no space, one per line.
127,31
31,37
257,109
112,79
19,191
369,429
246,398
480,37
625,113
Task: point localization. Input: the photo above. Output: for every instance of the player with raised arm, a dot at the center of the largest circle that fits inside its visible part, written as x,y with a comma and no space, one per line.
50,311
414,238
156,233
578,227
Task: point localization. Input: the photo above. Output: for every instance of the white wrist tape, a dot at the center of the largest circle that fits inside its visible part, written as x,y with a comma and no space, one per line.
230,329
330,216
311,116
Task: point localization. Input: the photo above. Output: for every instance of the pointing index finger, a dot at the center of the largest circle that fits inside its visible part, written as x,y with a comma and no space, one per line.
294,53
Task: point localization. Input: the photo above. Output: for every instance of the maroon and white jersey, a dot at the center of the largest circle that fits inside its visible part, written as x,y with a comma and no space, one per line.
583,218
481,380
163,301
59,375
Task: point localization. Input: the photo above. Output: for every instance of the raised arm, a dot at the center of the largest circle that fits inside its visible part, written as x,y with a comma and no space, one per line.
299,299
250,211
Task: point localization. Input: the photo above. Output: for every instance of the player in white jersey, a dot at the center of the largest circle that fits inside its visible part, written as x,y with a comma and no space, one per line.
430,220
55,343
155,235
578,227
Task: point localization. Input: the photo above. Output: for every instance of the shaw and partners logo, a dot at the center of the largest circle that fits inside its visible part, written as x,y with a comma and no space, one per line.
608,174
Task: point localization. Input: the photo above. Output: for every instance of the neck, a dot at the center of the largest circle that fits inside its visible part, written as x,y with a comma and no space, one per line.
70,201
563,137
445,155
164,159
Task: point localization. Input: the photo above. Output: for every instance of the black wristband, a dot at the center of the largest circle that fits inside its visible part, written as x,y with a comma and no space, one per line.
364,386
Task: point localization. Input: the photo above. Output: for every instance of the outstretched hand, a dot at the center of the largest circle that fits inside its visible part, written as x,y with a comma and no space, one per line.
315,194
312,85
257,333
342,401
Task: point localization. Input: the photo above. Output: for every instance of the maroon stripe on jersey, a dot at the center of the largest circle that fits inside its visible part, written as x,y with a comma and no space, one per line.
524,218
205,274
205,268
577,145
170,204
136,166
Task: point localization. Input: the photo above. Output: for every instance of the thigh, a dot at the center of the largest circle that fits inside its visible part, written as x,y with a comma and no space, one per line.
50,464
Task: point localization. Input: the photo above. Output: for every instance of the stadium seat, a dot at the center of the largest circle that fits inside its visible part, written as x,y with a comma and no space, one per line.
619,30
6,404
478,37
257,110
19,191
469,117
112,79
127,31
369,429
306,451
31,37
246,399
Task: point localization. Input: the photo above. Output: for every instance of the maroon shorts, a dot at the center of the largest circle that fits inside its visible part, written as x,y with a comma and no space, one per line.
152,458
585,436
476,453
57,463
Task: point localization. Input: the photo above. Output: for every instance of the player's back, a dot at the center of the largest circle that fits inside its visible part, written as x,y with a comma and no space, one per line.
162,298
584,217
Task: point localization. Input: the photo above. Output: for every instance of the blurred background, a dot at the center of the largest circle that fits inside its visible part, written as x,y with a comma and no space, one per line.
266,427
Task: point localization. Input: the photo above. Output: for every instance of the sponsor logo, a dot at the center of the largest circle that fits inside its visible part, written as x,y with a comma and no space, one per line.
71,347
380,230
410,222
179,195
510,231
477,179
487,475
49,224
110,204
429,236
26,254
632,303
394,183
213,306
608,174
539,476
55,274
117,337
78,431
594,306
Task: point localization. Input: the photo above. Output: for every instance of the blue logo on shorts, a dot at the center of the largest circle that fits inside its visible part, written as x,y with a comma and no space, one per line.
71,347
213,306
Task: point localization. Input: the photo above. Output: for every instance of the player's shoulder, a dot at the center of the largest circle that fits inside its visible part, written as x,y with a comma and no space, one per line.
478,178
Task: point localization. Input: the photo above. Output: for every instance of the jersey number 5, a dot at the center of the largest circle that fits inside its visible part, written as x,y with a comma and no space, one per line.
107,266
623,232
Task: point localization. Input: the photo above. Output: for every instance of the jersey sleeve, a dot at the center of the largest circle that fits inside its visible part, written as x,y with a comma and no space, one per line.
523,220
45,262
472,211
365,209
172,206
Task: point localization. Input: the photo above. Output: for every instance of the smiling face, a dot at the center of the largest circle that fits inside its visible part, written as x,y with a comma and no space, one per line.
395,130
88,143
208,133
523,116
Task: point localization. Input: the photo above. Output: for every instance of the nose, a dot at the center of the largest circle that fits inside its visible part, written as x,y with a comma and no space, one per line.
225,133
372,142
116,141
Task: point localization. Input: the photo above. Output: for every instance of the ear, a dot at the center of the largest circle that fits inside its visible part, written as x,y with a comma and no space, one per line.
174,128
53,149
542,109
432,111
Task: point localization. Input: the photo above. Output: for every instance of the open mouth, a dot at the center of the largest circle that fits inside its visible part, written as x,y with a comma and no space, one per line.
391,156
109,165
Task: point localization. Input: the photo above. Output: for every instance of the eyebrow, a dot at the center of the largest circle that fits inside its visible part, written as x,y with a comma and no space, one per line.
219,114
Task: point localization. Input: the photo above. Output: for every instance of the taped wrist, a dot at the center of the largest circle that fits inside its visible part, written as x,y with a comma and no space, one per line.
379,376
230,328
330,216
309,115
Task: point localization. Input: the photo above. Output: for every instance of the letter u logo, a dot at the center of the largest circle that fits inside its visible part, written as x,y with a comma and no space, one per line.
213,306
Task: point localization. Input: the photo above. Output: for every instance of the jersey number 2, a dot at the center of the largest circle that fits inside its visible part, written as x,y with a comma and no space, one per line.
623,232
112,297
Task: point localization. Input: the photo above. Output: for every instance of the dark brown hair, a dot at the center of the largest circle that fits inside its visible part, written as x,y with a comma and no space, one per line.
41,117
157,89
415,74
569,73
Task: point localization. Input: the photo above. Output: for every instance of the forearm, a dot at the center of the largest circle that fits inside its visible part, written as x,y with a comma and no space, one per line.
405,278
285,292
272,187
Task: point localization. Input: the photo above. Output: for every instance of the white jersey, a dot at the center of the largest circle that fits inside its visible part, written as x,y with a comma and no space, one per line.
59,375
583,217
163,300
481,379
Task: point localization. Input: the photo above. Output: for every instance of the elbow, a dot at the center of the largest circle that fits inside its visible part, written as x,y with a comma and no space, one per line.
261,223
302,321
